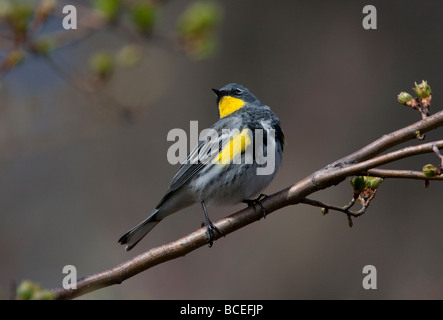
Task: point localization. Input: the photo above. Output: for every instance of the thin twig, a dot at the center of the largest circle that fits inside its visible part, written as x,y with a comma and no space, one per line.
400,174
344,209
345,171
113,108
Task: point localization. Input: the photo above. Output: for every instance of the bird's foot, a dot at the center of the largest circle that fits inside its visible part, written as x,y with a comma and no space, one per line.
211,230
257,201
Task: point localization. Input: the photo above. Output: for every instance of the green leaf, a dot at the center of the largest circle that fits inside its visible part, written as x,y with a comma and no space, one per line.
358,183
373,182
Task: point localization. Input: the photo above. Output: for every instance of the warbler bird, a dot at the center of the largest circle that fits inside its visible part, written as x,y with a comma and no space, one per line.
232,166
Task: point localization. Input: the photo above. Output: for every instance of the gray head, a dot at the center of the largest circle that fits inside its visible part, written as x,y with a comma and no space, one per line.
235,90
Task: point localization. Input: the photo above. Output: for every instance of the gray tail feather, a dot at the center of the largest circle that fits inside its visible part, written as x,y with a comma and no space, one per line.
133,236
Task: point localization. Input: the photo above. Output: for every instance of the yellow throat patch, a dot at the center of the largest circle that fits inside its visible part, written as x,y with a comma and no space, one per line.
228,105
235,146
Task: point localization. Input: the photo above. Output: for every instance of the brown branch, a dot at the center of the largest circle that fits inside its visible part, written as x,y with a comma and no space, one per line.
394,138
295,194
391,157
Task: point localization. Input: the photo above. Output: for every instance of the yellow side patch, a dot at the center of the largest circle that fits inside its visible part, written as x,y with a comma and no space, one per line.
228,105
236,145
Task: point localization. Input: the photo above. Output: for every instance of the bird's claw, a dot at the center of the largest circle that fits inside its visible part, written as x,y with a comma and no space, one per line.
257,201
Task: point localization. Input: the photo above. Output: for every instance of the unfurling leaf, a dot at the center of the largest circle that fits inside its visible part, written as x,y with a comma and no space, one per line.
423,90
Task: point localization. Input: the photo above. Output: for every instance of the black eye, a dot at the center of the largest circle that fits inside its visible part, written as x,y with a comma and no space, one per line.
237,91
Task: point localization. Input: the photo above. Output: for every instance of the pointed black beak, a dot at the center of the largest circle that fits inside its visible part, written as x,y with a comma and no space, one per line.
218,93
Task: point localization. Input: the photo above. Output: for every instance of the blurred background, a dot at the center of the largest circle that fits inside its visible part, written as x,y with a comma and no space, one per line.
84,116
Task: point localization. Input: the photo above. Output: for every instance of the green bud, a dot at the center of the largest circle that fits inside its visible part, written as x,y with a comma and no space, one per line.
423,90
197,26
404,98
358,183
324,211
199,19
102,64
350,223
26,290
419,135
143,16
129,55
44,46
373,182
19,16
43,295
109,9
430,170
